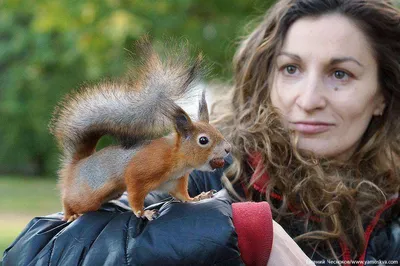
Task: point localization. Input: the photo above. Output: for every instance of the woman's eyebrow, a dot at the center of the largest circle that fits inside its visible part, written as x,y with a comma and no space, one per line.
293,56
336,60
339,60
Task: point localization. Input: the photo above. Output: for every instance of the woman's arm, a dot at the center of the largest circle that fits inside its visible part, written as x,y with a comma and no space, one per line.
285,251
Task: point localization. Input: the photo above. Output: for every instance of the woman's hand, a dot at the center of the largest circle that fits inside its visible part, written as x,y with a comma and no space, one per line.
285,251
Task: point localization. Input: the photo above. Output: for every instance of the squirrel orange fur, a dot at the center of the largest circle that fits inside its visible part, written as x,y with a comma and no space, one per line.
159,143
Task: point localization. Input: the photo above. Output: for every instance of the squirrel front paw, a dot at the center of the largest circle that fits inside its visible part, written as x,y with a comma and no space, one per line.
185,197
204,195
148,214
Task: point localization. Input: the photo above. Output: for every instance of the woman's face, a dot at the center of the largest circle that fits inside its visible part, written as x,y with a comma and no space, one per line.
326,85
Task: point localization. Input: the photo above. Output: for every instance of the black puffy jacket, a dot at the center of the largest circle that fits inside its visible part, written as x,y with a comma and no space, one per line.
199,233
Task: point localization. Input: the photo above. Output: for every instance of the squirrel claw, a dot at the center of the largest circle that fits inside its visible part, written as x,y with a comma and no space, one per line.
148,214
71,218
204,195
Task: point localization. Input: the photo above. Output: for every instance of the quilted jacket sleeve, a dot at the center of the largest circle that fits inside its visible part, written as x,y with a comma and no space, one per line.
199,233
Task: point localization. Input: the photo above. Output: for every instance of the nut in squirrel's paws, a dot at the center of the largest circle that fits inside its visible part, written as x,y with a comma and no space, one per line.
204,195
148,214
217,163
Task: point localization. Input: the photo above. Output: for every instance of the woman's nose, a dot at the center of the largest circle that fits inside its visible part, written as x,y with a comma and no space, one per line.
311,96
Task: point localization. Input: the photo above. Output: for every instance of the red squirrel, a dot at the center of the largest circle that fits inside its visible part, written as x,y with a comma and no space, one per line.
159,143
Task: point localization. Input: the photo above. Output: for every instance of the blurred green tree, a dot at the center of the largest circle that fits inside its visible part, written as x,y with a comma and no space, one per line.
48,48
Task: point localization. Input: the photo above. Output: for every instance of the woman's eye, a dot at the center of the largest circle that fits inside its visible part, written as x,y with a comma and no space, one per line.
291,69
339,74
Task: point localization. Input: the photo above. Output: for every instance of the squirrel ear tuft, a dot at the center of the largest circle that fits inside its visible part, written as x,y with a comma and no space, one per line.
183,124
203,109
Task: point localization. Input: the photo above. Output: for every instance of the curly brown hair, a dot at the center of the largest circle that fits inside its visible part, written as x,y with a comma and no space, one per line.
343,195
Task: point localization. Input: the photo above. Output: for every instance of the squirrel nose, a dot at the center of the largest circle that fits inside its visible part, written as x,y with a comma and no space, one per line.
228,148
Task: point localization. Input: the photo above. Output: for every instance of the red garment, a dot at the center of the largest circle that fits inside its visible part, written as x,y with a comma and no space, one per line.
258,165
253,224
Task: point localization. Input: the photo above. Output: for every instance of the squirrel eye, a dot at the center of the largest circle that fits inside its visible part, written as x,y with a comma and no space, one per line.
203,140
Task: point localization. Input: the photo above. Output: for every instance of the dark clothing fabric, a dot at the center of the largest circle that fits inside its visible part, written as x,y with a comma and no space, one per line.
383,246
200,233
384,241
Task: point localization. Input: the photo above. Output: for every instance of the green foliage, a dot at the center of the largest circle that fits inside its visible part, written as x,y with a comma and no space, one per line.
48,48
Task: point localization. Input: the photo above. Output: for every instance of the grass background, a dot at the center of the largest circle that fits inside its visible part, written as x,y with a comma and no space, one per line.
21,199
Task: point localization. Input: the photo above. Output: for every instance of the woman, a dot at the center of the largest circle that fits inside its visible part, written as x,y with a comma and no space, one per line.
314,123
317,93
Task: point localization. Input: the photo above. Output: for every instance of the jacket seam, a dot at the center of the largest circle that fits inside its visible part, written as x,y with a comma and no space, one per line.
51,252
126,241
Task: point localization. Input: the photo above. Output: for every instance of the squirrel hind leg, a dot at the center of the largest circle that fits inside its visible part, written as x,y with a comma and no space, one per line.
73,218
82,199
73,210
77,204
69,214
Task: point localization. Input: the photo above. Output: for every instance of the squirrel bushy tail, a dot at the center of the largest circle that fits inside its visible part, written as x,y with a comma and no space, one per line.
140,108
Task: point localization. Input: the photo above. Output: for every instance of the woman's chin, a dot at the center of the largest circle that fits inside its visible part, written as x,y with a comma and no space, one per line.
317,149
323,151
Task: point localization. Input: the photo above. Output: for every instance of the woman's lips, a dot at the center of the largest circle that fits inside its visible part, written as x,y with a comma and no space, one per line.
311,128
